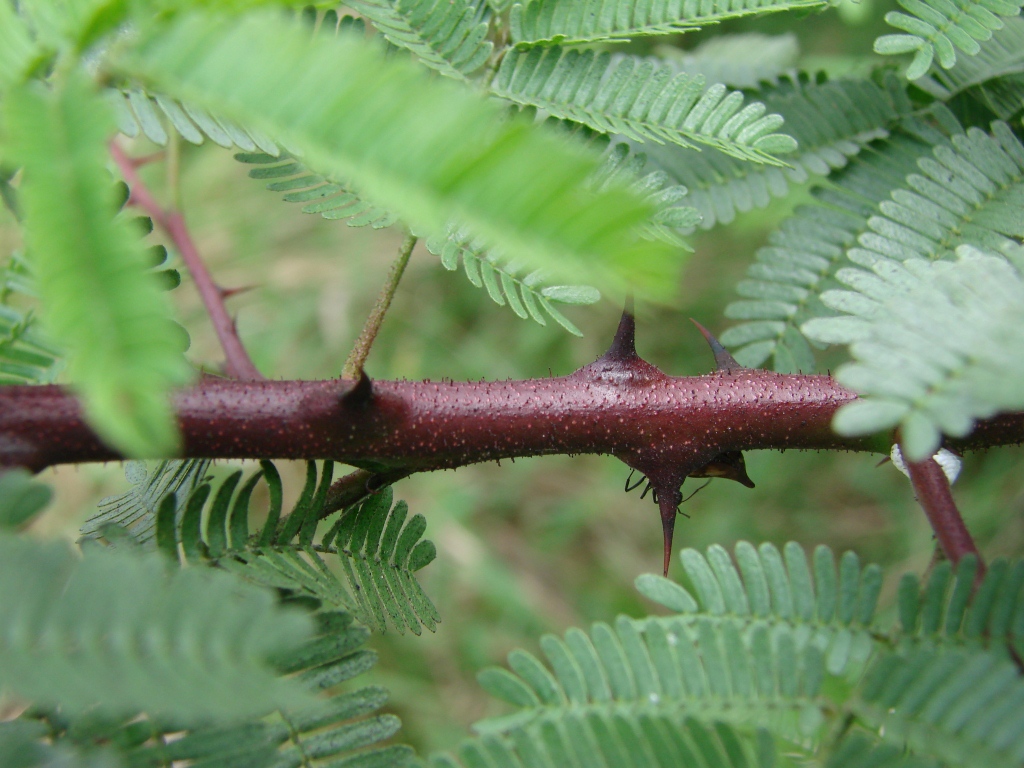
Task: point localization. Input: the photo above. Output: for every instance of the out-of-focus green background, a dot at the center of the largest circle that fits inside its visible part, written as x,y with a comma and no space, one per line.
543,544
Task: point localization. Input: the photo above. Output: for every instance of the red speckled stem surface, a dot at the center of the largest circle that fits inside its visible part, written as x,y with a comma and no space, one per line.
651,421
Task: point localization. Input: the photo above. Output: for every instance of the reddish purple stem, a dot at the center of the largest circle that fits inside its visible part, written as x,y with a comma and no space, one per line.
238,365
936,498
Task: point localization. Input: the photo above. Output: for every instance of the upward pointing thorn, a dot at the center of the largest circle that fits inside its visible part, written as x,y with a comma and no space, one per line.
723,360
624,344
360,393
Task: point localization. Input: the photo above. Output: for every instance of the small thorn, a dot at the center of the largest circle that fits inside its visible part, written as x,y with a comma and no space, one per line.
668,506
360,393
723,360
227,293
624,344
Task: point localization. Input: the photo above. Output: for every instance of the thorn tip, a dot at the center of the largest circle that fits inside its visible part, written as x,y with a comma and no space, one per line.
723,360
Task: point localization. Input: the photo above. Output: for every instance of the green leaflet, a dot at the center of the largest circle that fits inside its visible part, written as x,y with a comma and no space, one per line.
424,148
936,344
939,28
331,198
571,22
784,286
139,113
27,356
640,100
993,77
111,630
377,546
831,120
124,352
135,510
751,672
527,292
448,36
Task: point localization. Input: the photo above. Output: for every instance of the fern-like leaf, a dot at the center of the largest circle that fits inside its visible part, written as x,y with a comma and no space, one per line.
523,291
958,706
745,60
832,121
636,98
526,292
784,286
938,28
947,610
936,345
27,356
339,728
447,35
110,630
424,148
124,353
571,22
994,78
331,198
833,608
135,510
139,113
373,544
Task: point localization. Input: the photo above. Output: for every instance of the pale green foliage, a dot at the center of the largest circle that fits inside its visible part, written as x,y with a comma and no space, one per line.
373,544
758,667
993,77
527,292
115,628
832,120
940,27
641,100
449,36
123,351
935,344
138,113
424,148
739,61
784,285
571,22
337,727
17,52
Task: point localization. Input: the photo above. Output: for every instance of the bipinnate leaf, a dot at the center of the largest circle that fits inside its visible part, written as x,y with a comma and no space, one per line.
938,346
121,632
90,267
425,148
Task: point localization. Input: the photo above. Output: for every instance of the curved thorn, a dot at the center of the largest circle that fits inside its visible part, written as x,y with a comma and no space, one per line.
723,360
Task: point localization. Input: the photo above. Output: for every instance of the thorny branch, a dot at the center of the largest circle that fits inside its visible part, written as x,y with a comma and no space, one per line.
238,363
667,428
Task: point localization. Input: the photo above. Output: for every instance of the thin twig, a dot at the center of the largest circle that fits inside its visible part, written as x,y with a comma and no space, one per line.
238,363
361,349
356,486
931,487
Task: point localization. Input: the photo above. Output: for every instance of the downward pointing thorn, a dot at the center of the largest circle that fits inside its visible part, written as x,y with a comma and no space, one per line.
723,360
668,504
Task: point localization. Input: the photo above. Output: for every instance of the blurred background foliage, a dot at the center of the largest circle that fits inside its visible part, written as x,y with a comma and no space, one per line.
543,544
